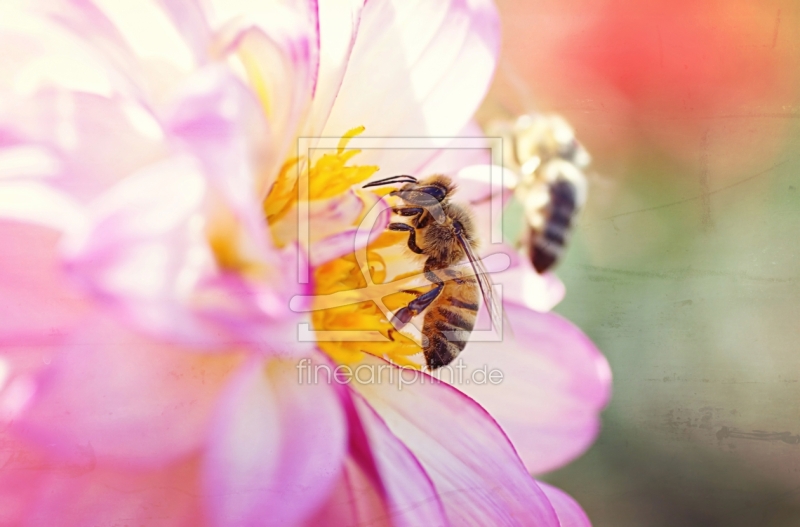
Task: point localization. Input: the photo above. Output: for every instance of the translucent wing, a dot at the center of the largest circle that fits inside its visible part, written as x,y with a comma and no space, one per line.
489,299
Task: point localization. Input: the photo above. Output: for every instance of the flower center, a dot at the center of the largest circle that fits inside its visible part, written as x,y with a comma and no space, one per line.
360,326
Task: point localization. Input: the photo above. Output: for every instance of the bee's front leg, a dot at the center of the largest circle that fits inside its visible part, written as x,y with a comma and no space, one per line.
412,235
417,215
415,307
408,211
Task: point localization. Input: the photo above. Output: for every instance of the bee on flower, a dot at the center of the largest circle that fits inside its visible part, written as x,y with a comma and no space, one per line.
172,219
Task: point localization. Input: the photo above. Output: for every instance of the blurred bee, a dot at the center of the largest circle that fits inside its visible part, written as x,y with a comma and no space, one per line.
552,186
444,232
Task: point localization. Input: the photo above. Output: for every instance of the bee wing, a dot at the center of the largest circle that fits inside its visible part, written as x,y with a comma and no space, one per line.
489,299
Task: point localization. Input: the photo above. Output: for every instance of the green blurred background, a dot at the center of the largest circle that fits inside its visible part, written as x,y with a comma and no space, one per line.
684,267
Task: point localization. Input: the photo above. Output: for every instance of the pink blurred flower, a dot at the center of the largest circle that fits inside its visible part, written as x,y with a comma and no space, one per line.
668,75
148,358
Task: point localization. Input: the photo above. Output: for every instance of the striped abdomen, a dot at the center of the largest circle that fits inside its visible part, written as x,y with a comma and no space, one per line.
449,321
546,246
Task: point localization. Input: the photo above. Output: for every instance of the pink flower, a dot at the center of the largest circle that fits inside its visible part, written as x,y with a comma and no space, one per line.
150,366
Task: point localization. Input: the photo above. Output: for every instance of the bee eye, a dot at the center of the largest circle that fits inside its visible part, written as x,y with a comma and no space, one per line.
435,191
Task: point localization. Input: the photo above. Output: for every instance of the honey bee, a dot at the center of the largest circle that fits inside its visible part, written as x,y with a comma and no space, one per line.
552,186
443,232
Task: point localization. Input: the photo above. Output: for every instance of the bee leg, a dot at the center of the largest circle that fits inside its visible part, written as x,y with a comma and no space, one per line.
412,235
408,211
415,307
417,214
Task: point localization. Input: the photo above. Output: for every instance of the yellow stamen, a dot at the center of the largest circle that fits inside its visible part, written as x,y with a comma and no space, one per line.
283,195
344,274
330,176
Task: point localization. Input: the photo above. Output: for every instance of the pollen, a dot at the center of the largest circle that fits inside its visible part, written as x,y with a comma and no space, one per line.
345,275
331,175
356,325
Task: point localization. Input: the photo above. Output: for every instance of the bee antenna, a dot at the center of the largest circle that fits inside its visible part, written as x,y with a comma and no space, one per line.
402,178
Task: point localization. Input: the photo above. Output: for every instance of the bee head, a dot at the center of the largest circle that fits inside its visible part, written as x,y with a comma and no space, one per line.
431,193
437,186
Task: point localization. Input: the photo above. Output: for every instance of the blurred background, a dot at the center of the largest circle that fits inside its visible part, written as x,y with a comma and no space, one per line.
684,267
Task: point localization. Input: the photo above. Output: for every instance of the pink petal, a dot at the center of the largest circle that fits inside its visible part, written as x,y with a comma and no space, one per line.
25,162
476,471
123,399
325,219
410,495
554,384
146,253
190,20
39,308
478,183
454,157
310,11
570,514
219,120
332,234
41,492
355,501
338,25
141,240
40,204
280,46
93,30
94,141
382,483
418,69
276,450
336,246
523,286
38,302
